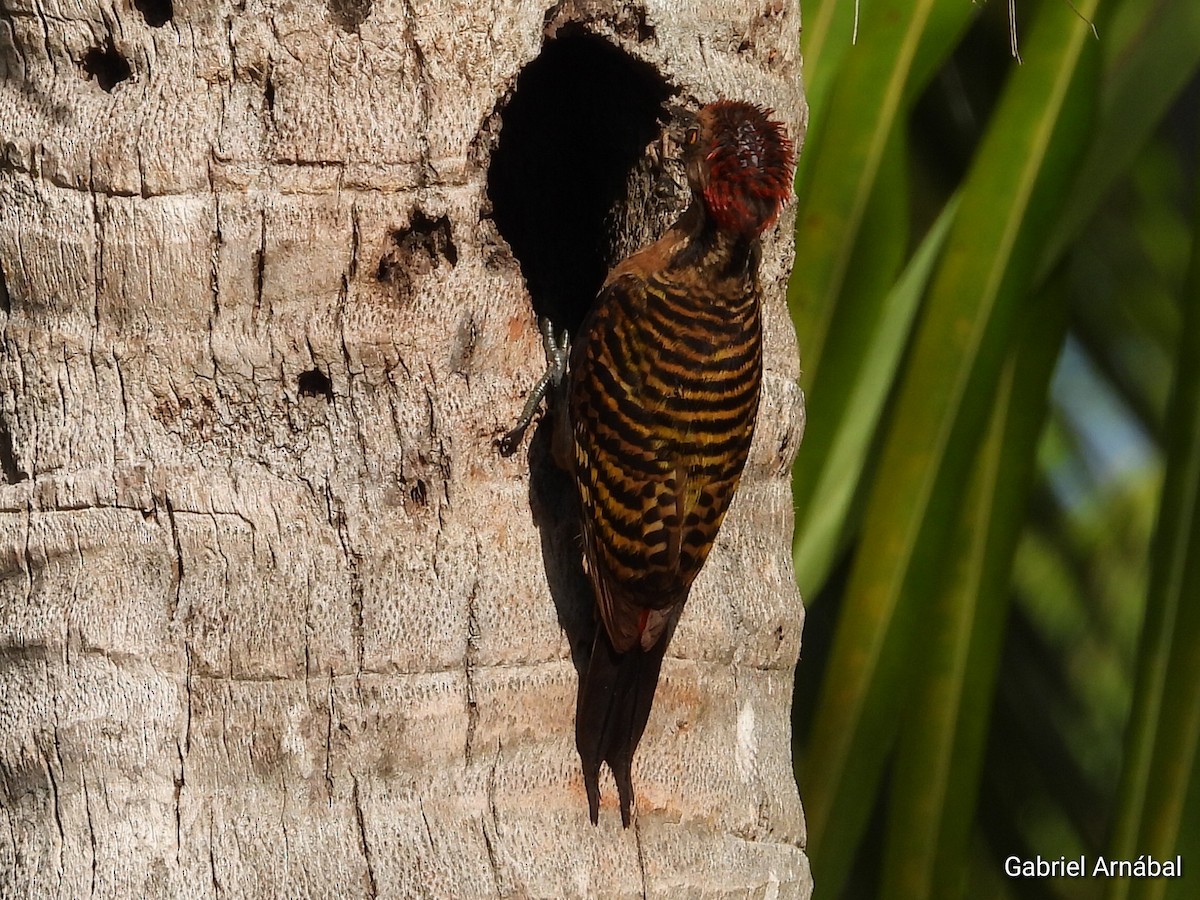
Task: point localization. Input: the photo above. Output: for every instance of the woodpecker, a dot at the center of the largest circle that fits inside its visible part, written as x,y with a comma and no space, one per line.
654,412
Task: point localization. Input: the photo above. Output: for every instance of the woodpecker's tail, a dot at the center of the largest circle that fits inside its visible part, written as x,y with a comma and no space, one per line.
614,703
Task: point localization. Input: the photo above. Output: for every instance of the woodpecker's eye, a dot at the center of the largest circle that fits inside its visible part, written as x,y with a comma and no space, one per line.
692,135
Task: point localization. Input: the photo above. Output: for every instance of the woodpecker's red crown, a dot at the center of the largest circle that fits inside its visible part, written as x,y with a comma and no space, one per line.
739,161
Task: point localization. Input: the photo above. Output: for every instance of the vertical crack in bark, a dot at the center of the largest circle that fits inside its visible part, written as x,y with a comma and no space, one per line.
329,741
493,858
214,276
176,568
439,543
28,555
439,456
355,241
309,629
9,467
218,891
141,160
183,749
362,839
335,508
116,363
87,810
355,417
469,656
269,98
57,803
283,820
63,383
641,856
426,172
98,262
492,861
428,830
97,282
226,702
179,781
337,518
260,266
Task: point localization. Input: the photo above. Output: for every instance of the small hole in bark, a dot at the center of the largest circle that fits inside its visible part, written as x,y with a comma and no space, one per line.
315,383
5,298
578,122
106,65
420,493
416,251
348,15
157,13
8,459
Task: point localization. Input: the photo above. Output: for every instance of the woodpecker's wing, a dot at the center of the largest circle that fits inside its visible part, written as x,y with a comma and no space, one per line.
661,413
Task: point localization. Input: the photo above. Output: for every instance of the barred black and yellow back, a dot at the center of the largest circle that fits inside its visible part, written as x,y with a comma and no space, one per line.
662,387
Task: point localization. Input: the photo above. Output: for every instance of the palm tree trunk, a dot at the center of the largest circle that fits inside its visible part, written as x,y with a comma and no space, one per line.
276,620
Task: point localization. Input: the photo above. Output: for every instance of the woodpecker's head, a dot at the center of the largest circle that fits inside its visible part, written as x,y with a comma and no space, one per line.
739,163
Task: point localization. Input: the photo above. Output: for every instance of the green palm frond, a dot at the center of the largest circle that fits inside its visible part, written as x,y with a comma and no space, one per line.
989,291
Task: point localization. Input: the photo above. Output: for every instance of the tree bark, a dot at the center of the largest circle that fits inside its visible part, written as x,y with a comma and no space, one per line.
276,620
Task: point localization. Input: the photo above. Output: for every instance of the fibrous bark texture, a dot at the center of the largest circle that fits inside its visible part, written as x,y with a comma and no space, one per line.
276,620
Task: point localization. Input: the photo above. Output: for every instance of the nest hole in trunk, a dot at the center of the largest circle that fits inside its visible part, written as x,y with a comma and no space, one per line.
577,124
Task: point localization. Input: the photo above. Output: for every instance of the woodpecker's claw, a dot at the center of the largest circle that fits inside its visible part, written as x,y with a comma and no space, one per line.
557,352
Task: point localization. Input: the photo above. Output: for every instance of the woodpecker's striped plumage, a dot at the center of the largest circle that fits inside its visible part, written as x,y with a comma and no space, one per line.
662,390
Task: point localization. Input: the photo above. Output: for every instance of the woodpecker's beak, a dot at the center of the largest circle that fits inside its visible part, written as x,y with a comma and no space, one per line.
680,114
679,120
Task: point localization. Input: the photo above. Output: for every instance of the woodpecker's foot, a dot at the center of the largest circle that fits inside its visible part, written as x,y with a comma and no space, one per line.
557,351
